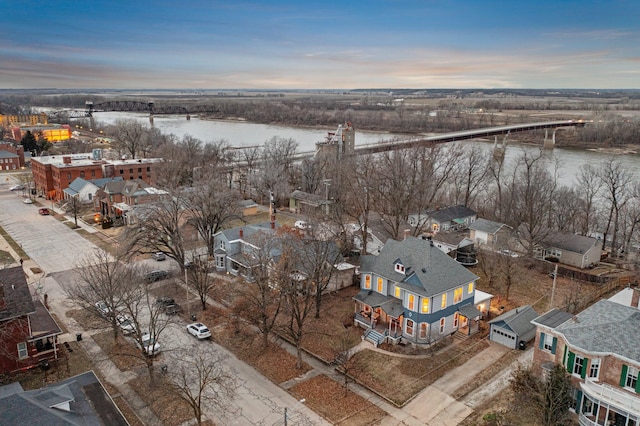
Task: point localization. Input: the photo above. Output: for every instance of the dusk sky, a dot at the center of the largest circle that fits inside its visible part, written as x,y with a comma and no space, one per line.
277,44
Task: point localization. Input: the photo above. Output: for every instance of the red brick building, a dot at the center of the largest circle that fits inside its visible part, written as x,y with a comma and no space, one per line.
53,174
11,156
28,333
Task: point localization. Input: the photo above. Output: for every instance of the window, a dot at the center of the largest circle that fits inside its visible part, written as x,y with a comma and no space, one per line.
470,289
121,171
367,281
220,262
139,169
22,350
441,325
130,171
444,300
411,302
424,330
82,174
148,169
399,268
594,370
425,305
631,376
222,244
397,293
456,318
380,285
578,365
93,173
409,328
68,175
457,295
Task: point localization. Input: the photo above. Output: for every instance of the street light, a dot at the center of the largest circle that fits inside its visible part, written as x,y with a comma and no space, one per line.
293,409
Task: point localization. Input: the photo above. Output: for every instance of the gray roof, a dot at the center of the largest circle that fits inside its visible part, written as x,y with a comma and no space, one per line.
470,311
247,203
15,298
450,213
88,404
518,320
485,225
605,327
553,318
570,242
247,230
7,154
100,183
428,271
308,198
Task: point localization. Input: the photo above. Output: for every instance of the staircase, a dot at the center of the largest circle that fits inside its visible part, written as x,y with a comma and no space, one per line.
374,337
460,336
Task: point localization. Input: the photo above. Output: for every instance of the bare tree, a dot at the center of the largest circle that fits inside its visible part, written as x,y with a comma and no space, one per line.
298,288
130,136
161,230
588,186
469,175
201,281
259,299
203,380
74,207
101,278
616,181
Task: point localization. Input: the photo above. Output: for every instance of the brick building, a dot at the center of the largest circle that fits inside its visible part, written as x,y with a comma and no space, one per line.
600,350
53,174
11,156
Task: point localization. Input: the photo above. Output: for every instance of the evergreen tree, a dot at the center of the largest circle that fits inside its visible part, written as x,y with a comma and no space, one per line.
29,142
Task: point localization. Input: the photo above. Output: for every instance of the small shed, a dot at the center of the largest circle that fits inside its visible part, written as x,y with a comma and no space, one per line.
248,208
514,328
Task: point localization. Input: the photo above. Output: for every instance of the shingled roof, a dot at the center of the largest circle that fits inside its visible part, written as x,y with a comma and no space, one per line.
605,327
428,271
15,298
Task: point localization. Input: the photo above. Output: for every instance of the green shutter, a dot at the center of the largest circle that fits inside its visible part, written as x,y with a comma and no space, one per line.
623,376
638,384
541,343
564,356
585,362
578,401
572,358
554,344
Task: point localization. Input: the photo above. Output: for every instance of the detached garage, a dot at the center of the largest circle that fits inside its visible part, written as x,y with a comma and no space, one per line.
514,327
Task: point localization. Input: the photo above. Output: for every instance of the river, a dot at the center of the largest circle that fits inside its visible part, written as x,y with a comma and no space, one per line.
239,133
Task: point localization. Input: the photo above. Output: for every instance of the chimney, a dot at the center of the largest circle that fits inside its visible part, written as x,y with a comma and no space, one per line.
66,159
407,233
635,298
241,233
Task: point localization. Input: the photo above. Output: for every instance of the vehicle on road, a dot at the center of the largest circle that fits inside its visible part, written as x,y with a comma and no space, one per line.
126,324
44,211
509,253
149,345
27,201
159,256
199,330
157,275
16,188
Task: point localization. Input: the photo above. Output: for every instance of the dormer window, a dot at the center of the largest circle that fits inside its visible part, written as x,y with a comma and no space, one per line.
399,267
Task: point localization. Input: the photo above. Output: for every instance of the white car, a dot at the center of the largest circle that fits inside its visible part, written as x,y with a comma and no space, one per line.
16,188
102,307
199,330
159,256
126,324
149,345
301,224
27,201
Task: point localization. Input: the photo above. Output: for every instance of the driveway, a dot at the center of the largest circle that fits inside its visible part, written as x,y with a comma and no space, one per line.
56,249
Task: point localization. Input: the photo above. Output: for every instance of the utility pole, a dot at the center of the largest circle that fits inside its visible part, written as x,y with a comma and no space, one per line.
553,289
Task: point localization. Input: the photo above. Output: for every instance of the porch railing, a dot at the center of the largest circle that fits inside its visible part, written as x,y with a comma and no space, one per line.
612,396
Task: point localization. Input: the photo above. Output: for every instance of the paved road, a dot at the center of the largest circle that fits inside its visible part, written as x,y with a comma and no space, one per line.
56,249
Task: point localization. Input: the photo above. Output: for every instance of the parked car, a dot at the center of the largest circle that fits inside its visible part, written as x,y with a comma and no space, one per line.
103,309
149,345
159,256
16,188
157,275
126,324
301,224
199,330
168,305
27,201
44,211
509,253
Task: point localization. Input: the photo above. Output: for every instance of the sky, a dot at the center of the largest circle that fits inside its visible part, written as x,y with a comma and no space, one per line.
282,44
